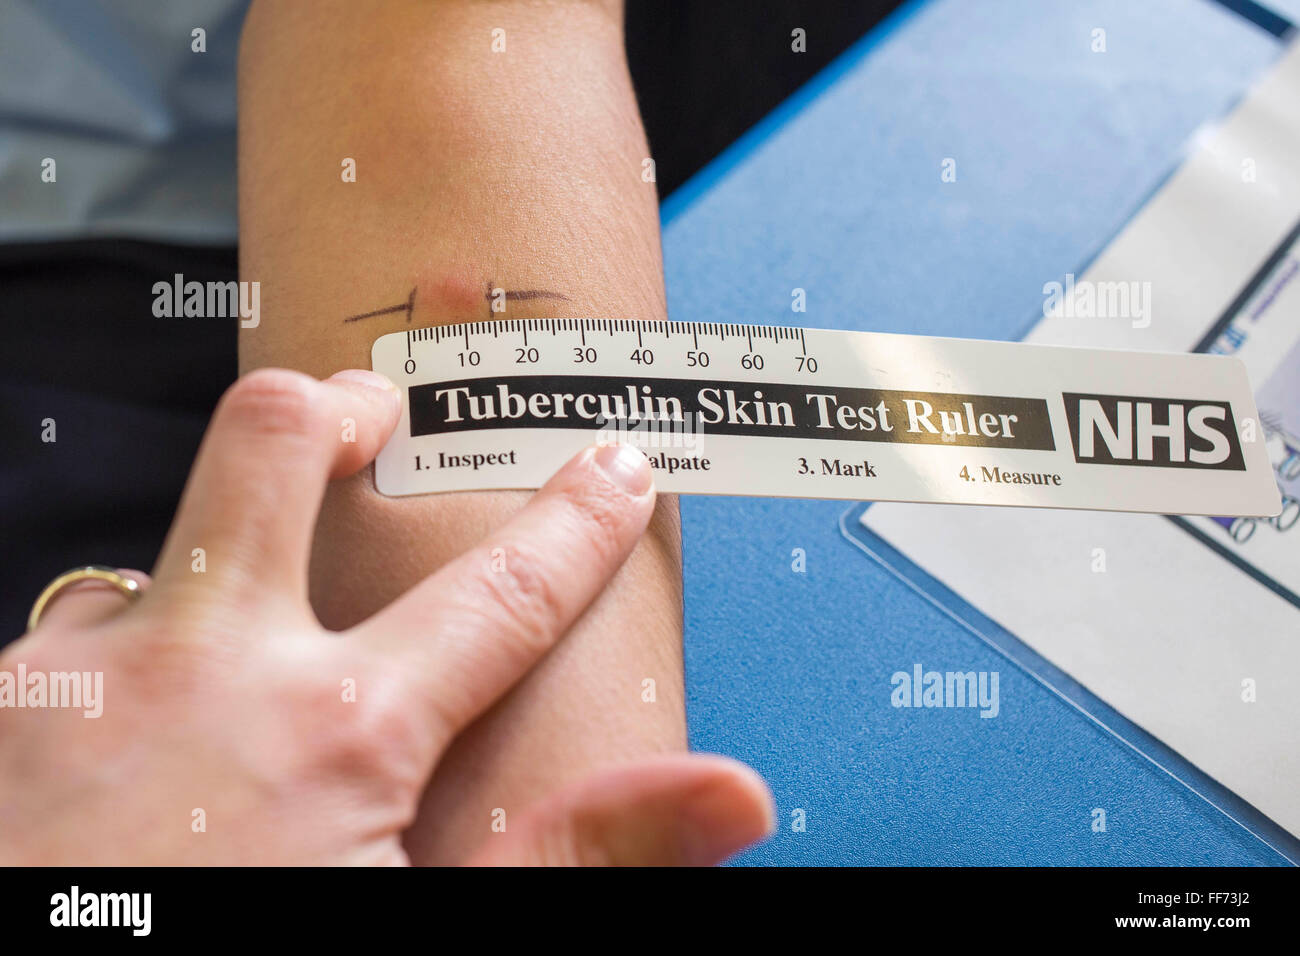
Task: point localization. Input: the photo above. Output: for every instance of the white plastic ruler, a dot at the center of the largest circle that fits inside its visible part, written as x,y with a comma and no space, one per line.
819,413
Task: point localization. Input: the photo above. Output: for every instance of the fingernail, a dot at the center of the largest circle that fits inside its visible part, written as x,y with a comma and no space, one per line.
626,466
721,820
361,376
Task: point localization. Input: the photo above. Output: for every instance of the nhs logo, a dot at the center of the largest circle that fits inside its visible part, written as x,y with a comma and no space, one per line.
1164,432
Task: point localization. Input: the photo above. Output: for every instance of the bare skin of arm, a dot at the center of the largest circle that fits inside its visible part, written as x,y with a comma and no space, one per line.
518,169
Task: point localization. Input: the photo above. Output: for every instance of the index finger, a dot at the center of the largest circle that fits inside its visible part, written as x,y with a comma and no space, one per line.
475,627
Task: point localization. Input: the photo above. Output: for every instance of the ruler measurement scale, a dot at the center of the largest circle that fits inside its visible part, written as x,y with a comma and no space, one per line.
740,409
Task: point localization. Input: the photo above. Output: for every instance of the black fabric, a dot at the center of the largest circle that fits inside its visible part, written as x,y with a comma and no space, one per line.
129,395
705,71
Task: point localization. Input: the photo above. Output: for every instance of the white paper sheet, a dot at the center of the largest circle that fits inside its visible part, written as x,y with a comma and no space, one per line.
1189,628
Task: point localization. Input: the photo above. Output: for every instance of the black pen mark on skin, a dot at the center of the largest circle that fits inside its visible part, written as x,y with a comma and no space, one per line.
510,295
519,295
408,307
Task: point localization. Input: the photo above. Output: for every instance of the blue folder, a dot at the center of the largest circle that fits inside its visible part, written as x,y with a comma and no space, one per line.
839,193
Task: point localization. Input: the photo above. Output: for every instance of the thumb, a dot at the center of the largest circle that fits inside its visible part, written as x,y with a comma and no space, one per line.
678,810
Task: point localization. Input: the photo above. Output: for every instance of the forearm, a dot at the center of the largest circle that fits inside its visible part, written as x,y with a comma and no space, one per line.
520,168
475,171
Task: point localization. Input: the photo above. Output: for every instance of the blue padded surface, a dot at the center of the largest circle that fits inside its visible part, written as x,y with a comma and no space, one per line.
839,193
